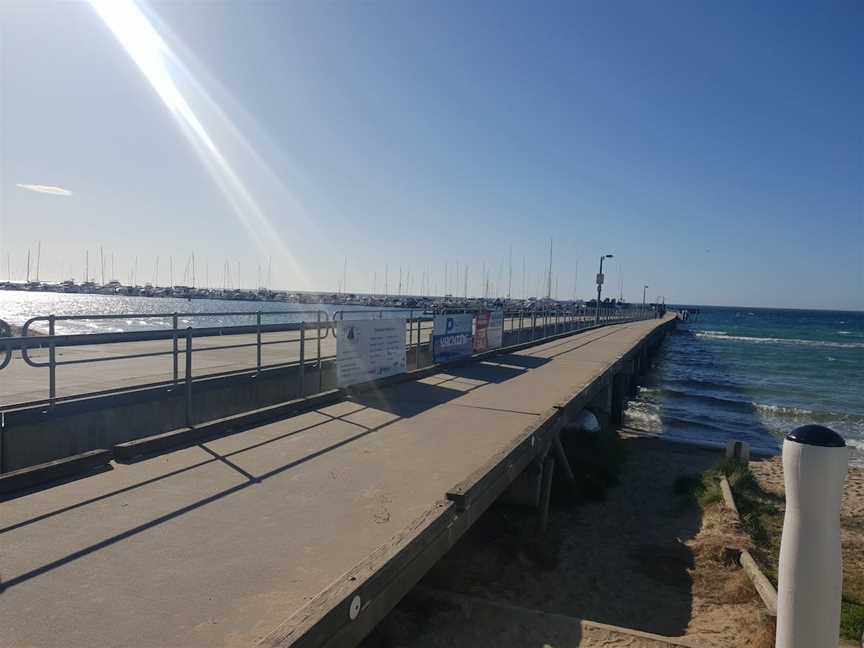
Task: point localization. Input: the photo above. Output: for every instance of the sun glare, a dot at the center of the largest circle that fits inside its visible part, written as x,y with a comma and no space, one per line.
161,67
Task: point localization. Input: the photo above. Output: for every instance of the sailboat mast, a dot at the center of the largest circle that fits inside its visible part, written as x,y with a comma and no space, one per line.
510,272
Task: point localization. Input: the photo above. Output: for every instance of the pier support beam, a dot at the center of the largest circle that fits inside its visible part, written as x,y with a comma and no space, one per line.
620,389
601,404
546,494
526,488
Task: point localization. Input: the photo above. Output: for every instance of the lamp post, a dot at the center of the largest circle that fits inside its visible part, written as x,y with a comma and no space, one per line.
644,289
600,286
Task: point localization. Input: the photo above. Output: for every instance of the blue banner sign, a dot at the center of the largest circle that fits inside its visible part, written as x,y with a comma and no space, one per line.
452,337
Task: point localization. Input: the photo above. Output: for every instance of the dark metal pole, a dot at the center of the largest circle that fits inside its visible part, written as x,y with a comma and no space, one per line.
644,290
258,341
174,345
188,376
417,355
599,289
318,338
52,365
302,383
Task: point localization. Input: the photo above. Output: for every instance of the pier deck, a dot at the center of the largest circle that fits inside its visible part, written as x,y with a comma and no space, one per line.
221,543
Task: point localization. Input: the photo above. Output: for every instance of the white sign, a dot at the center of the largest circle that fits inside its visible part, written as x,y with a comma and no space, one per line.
369,349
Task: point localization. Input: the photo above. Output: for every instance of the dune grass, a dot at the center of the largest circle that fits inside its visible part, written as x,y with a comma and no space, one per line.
761,516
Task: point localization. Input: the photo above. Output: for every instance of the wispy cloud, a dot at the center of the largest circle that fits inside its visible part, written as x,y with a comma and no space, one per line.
57,191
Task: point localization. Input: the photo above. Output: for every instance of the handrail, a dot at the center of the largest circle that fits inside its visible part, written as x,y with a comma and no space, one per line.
533,324
120,316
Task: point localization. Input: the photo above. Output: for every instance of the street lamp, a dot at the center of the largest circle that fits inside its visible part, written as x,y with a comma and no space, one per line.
600,285
644,289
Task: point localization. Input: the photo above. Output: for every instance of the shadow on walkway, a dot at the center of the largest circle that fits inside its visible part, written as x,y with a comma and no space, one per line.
404,400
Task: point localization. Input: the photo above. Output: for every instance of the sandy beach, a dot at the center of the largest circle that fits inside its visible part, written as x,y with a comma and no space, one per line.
642,558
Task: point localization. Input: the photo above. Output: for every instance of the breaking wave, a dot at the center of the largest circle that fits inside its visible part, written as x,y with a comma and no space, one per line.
721,335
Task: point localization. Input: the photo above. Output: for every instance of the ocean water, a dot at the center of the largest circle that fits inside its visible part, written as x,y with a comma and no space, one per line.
16,307
755,374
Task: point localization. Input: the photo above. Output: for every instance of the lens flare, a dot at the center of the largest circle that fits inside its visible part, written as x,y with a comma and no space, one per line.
180,91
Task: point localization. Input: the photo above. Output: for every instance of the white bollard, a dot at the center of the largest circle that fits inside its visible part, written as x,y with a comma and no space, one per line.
810,574
739,450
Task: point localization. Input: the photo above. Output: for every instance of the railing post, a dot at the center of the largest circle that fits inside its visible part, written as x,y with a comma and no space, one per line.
302,381
318,340
174,345
411,336
258,342
188,376
417,355
52,365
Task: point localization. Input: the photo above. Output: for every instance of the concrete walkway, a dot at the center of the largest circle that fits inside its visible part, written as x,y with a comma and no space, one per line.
217,544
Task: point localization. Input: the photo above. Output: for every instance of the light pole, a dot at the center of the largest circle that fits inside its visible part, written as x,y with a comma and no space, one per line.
644,289
600,286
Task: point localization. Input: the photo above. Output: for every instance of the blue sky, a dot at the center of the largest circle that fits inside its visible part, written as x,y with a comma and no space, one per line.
717,149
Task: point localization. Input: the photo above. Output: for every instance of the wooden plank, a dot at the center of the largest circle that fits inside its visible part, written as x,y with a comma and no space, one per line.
728,499
763,586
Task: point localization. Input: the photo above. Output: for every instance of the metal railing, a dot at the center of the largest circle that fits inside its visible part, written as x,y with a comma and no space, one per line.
314,326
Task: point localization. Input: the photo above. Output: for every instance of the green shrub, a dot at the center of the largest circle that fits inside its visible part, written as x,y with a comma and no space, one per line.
851,620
